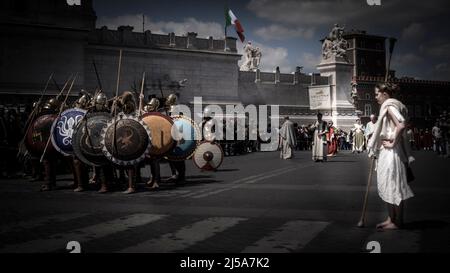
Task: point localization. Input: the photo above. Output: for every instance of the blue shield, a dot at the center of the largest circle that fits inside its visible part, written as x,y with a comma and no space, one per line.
188,138
63,127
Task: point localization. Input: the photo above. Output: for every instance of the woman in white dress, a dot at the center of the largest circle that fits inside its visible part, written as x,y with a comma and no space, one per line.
389,145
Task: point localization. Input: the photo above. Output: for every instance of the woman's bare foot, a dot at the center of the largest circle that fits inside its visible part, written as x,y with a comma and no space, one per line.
388,221
390,226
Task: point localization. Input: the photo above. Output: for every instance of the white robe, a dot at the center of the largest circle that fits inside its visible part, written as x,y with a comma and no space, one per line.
391,164
370,126
287,140
320,146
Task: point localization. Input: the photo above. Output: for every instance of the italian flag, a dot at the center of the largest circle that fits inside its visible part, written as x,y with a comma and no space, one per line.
230,19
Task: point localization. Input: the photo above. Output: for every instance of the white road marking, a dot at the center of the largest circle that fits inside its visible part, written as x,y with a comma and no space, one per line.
59,241
185,237
41,221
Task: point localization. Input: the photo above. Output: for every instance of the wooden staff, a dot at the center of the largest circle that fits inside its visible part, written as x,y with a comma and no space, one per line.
362,220
114,110
32,116
61,108
34,113
141,95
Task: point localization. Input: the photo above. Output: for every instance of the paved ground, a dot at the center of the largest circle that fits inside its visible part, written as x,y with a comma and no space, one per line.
254,203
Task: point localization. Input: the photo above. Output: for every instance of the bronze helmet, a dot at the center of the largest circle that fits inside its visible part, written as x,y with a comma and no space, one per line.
127,102
52,104
100,102
171,100
152,105
83,100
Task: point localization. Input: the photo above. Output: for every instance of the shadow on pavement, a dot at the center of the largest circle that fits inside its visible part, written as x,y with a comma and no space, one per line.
227,170
426,224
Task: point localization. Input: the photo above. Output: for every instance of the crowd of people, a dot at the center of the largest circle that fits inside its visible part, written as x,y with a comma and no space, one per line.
435,138
12,126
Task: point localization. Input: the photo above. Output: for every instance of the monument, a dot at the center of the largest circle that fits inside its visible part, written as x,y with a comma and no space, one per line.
252,58
336,66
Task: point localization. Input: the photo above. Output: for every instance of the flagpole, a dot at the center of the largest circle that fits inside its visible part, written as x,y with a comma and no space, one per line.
226,11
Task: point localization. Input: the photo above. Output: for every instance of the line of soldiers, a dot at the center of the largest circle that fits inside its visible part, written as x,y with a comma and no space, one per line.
104,174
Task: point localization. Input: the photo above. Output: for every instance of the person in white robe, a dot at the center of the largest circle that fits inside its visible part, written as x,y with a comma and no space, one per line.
287,139
320,147
370,126
389,146
358,136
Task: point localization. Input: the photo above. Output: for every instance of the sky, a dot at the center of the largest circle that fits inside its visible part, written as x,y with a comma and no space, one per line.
288,31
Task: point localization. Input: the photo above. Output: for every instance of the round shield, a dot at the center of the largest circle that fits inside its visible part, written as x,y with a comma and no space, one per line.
87,137
126,140
63,127
160,127
187,135
208,156
38,135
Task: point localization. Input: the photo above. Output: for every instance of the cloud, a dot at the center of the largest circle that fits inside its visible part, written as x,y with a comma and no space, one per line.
436,49
203,29
309,62
414,31
442,67
404,60
352,12
279,32
271,58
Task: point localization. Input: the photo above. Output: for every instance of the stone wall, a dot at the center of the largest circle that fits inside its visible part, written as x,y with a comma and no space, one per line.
289,91
212,76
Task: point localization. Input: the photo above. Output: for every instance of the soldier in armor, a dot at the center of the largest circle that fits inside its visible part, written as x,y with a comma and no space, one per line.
49,161
127,104
80,170
178,168
103,174
153,106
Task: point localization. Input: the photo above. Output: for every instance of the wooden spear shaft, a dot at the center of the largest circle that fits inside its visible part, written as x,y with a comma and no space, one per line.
141,95
61,108
115,102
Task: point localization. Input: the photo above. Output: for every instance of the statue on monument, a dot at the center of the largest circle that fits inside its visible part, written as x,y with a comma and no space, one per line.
335,45
252,58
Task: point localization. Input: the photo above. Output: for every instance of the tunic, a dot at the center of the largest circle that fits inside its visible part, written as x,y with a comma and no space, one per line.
320,149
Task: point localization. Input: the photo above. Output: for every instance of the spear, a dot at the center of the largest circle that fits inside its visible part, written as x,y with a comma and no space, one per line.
115,102
61,108
141,95
32,115
96,74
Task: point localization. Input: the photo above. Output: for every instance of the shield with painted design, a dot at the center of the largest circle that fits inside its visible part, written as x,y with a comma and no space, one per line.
87,137
208,156
63,128
38,135
126,140
187,135
160,127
